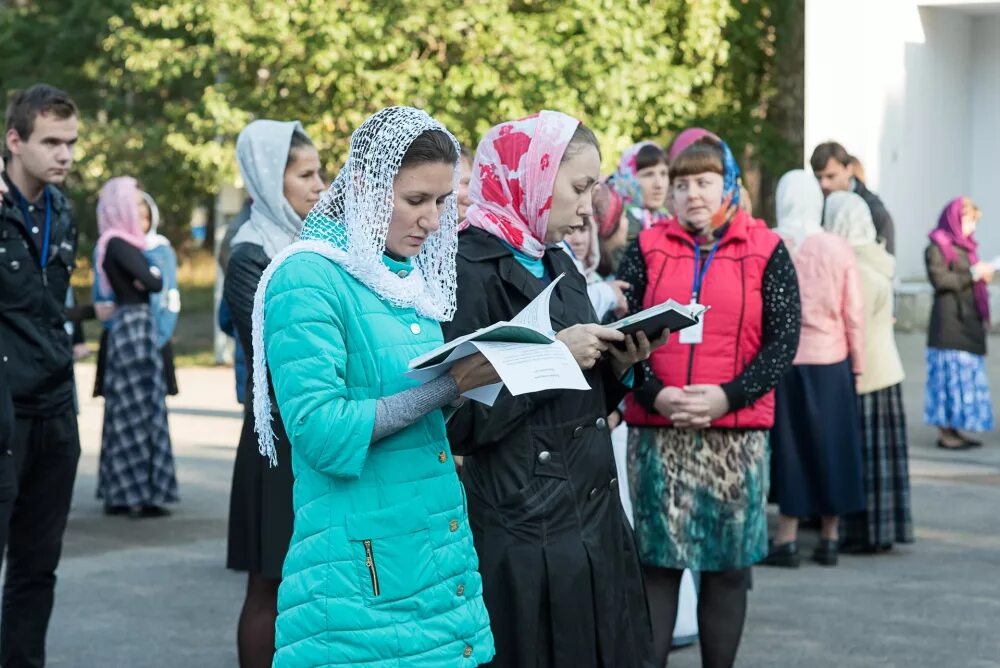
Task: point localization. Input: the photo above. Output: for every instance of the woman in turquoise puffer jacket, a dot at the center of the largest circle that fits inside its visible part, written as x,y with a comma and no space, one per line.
381,569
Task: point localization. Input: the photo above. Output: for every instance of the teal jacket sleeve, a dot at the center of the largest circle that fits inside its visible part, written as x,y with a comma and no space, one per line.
329,427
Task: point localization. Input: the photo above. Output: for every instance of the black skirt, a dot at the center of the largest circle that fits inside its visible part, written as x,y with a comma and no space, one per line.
260,504
816,442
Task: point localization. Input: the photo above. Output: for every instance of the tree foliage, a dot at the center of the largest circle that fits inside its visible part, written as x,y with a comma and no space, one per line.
165,87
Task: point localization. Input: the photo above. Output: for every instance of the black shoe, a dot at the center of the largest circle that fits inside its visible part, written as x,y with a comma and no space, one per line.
112,511
785,555
972,443
826,553
144,512
964,445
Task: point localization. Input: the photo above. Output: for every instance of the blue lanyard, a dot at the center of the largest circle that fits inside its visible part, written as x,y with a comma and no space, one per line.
29,220
701,269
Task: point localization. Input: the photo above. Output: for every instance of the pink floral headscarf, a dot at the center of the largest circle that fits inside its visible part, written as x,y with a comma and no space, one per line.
117,216
513,176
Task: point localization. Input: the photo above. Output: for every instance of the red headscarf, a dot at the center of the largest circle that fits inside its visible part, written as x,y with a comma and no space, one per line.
947,235
513,176
608,206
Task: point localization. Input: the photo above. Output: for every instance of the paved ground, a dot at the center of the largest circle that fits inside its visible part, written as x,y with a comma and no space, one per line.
156,594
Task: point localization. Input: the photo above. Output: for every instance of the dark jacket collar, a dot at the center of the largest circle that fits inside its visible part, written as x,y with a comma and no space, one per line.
476,245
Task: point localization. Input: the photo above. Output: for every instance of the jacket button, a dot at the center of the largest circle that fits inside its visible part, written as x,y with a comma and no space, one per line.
415,328
453,526
467,652
442,456
601,423
461,590
15,265
578,432
593,492
402,273
544,457
613,484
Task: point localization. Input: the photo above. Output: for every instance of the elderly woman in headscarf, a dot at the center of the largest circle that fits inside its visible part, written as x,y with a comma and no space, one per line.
381,568
562,581
816,454
281,170
136,471
698,426
886,518
957,396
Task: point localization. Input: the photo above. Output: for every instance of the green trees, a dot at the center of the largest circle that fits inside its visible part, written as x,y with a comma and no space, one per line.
164,88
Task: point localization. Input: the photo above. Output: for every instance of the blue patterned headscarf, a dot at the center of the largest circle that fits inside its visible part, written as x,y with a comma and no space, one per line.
730,178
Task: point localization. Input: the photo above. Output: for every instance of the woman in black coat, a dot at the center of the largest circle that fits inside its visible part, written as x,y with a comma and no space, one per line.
281,169
561,577
957,395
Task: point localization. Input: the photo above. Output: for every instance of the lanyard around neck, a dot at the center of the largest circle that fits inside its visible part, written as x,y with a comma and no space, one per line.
700,270
29,220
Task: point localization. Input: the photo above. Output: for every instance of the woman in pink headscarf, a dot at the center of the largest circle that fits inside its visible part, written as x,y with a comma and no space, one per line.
136,473
957,396
561,577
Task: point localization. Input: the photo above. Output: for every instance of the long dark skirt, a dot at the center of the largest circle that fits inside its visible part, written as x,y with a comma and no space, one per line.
136,463
816,442
261,516
166,352
886,519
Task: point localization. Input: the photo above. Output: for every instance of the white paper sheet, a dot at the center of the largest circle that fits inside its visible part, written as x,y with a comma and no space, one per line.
533,368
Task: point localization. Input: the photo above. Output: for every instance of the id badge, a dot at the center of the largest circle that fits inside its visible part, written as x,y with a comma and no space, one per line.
693,335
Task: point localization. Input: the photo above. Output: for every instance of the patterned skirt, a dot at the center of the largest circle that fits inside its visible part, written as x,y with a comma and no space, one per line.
699,496
957,394
886,518
136,463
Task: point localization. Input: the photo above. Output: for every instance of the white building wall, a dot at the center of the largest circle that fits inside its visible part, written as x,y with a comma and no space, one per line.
984,176
914,92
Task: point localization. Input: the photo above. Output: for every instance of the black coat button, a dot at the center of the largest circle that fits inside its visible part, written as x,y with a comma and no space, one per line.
613,484
594,492
601,423
578,432
544,457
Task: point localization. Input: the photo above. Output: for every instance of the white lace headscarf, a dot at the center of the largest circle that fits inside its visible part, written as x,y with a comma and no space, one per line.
349,226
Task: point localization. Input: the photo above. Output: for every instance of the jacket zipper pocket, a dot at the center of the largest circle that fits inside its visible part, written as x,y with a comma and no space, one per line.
372,570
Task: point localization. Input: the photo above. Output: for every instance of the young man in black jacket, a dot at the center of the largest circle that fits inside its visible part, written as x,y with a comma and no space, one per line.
831,164
37,249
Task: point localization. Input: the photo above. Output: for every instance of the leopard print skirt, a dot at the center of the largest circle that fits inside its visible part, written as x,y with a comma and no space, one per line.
699,496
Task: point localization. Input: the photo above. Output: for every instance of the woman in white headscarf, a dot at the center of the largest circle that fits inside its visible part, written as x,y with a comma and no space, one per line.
281,170
887,518
381,569
816,466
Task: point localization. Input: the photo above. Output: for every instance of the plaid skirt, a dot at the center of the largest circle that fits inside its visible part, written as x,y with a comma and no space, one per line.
887,518
136,463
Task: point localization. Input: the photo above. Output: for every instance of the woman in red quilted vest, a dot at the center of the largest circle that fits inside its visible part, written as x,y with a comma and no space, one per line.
698,428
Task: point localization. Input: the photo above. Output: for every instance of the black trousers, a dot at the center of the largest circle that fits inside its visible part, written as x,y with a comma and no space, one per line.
45,453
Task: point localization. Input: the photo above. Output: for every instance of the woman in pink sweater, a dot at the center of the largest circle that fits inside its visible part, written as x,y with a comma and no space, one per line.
816,443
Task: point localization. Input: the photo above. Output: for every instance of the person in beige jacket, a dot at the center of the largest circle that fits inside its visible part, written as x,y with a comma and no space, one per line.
887,519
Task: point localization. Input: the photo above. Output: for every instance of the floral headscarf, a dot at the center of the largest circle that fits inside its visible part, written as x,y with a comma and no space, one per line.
626,182
513,176
731,187
117,216
947,235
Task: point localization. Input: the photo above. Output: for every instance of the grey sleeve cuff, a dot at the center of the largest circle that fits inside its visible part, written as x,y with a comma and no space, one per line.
400,410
